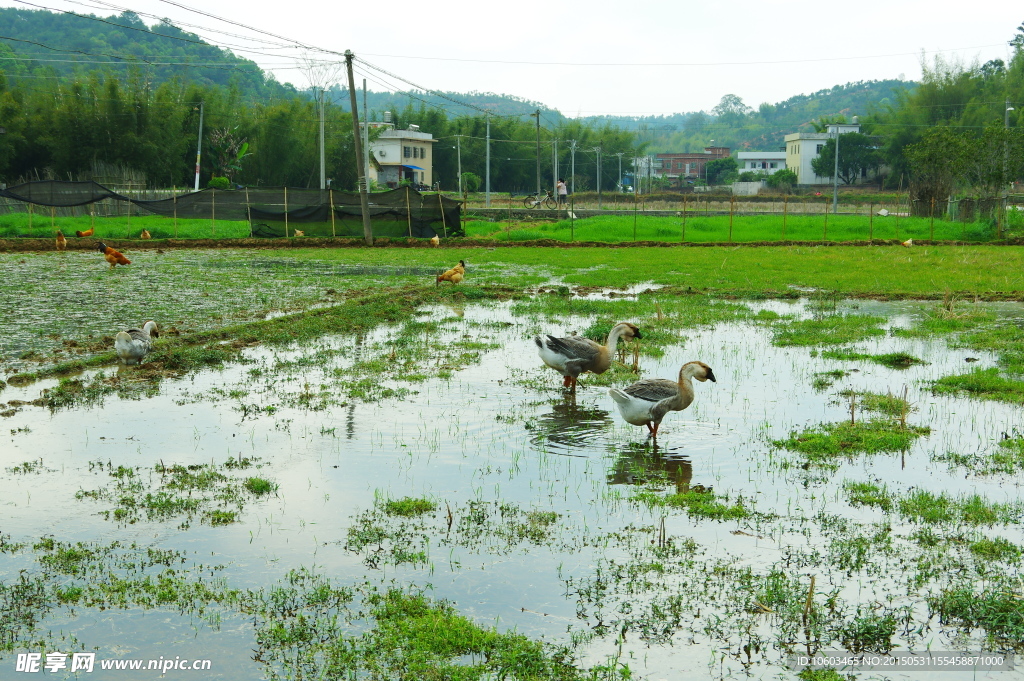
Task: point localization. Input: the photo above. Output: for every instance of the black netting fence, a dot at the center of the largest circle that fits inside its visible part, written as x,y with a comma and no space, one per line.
274,211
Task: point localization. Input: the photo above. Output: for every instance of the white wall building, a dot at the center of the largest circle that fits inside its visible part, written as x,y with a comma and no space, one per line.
804,147
766,162
402,155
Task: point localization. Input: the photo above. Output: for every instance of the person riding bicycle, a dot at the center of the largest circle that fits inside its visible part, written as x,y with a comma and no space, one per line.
563,192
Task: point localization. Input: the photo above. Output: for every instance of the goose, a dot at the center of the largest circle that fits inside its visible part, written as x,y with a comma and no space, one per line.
646,402
574,355
132,345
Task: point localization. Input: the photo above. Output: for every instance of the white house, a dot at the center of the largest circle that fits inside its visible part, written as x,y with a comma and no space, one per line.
402,155
804,147
765,162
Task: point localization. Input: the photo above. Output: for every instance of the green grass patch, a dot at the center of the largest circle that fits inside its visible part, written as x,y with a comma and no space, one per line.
830,440
888,404
408,507
983,384
868,494
698,503
830,330
1000,612
895,360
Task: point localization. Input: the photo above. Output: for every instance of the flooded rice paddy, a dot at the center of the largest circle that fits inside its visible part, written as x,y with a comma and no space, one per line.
256,514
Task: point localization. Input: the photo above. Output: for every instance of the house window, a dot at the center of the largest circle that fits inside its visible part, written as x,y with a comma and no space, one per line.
820,147
407,151
773,165
423,152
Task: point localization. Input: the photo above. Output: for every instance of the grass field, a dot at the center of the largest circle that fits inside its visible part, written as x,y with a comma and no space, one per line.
604,228
745,228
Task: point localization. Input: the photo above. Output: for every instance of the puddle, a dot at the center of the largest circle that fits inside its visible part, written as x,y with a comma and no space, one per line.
497,429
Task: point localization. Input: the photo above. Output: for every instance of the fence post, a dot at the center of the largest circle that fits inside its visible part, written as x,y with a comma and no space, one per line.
871,223
572,219
174,201
129,228
634,216
785,214
213,214
53,216
824,230
30,218
248,216
286,211
931,220
508,230
732,209
444,223
683,238
330,200
408,211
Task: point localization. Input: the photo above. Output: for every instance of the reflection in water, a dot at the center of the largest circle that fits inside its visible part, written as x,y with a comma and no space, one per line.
640,463
568,426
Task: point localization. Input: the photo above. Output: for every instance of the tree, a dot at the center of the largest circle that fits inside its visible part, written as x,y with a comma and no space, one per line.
720,169
471,182
857,154
782,179
731,104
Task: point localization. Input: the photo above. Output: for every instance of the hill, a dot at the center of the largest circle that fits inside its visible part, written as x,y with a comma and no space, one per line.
40,44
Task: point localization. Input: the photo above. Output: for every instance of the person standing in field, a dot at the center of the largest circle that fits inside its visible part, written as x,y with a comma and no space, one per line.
563,192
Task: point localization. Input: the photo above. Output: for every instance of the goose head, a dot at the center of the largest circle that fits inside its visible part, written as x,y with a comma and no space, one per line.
699,370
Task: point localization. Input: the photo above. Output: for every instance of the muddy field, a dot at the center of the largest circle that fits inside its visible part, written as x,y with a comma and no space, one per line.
312,477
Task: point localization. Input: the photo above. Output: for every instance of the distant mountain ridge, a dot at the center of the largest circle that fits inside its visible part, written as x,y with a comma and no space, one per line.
40,44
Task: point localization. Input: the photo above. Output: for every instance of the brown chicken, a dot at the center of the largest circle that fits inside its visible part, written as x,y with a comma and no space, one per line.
114,257
145,234
454,275
87,232
62,243
435,241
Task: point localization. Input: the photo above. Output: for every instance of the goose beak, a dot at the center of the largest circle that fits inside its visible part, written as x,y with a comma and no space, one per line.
637,334
711,376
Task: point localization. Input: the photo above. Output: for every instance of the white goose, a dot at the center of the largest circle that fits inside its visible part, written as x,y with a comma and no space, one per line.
134,344
646,402
574,354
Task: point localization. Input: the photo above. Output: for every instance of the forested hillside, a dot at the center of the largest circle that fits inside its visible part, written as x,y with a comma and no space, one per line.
43,44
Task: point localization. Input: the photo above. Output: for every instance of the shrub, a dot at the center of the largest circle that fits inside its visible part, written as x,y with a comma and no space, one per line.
219,183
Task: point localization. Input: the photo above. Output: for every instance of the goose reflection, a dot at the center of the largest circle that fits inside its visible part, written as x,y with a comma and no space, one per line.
569,426
640,463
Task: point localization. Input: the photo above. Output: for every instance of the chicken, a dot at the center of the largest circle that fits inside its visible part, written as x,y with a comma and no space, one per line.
87,232
299,232
908,243
435,241
454,275
62,243
145,234
114,257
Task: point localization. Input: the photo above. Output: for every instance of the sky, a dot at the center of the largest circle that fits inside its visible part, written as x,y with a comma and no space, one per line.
593,57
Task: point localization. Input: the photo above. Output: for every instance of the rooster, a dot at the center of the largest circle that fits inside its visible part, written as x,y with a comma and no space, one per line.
87,232
62,243
454,275
145,234
114,257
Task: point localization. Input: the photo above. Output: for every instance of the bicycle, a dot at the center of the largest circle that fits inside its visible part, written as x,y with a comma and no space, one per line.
547,201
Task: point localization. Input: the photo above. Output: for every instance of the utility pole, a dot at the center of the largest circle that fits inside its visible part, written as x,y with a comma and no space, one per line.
554,167
366,139
538,152
572,166
323,162
199,145
458,147
487,194
598,150
619,181
364,201
835,177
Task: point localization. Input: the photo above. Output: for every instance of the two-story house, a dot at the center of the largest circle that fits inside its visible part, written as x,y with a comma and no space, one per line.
402,155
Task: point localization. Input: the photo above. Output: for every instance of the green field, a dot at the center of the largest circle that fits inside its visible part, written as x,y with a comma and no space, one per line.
604,228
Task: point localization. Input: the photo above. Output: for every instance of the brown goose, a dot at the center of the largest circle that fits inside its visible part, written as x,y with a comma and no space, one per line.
646,402
573,355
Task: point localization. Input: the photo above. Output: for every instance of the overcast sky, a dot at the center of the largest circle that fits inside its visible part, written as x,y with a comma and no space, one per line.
598,56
